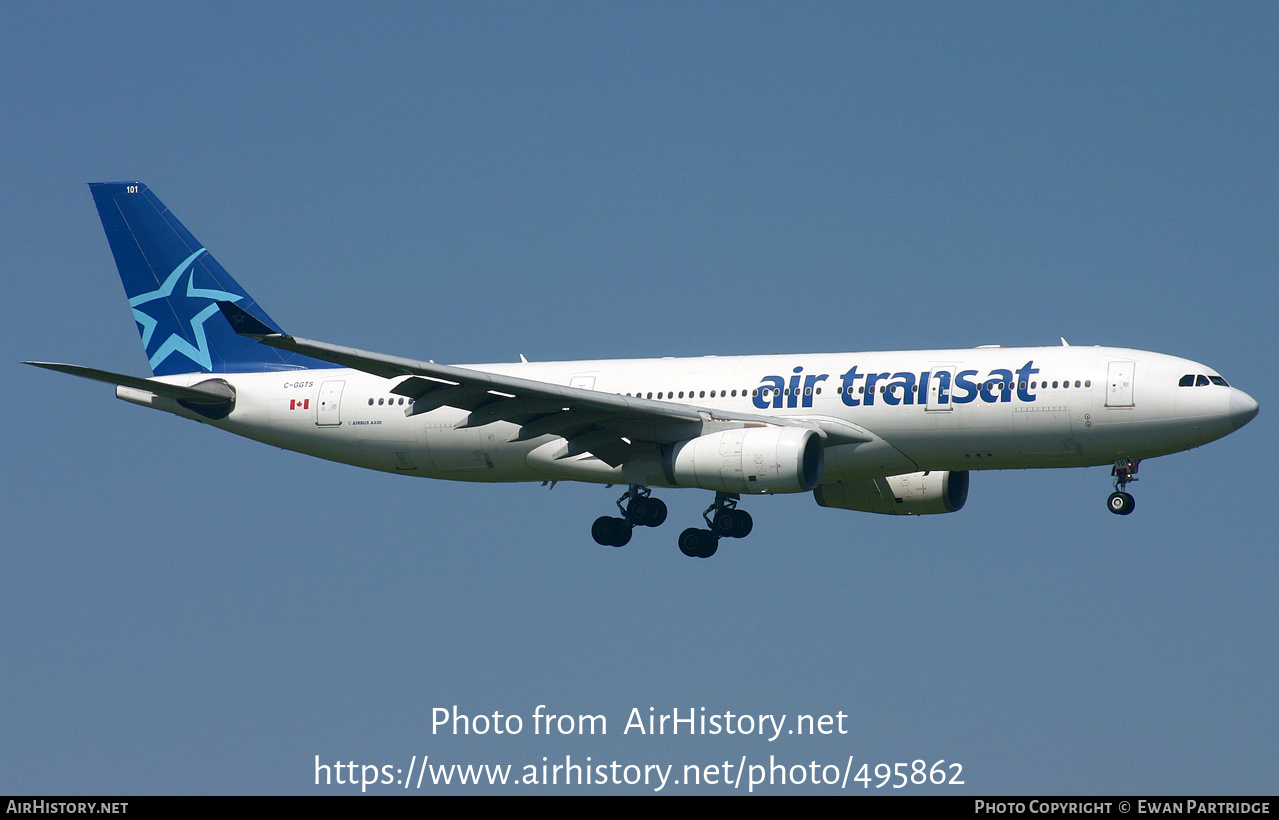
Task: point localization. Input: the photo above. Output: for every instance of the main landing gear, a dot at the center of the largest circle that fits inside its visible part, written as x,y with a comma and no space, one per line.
638,508
1124,471
728,521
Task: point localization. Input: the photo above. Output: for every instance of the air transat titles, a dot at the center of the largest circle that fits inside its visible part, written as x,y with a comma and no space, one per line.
998,385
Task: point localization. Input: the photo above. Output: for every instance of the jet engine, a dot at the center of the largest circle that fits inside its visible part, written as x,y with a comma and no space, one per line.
748,460
925,493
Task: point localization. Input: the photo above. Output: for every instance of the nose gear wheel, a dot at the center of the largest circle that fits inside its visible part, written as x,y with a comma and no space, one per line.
1120,501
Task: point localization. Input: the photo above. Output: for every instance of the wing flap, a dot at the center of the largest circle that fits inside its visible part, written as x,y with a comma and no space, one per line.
515,410
461,396
603,444
557,423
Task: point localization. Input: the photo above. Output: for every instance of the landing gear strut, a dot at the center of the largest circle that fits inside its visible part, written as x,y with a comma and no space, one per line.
641,508
1120,501
638,508
723,520
728,520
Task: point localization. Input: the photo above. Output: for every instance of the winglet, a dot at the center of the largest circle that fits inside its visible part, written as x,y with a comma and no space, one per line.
244,323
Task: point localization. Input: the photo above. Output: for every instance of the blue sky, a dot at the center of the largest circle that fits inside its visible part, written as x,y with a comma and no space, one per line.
187,612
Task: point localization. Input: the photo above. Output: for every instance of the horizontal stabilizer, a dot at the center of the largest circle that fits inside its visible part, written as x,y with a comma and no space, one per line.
213,392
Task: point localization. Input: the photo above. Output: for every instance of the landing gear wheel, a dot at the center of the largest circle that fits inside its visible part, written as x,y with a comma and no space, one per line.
638,510
611,532
732,523
725,520
690,542
646,511
698,543
1121,503
1125,472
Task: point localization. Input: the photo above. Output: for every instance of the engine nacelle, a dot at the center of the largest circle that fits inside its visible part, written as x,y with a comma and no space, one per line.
748,460
926,493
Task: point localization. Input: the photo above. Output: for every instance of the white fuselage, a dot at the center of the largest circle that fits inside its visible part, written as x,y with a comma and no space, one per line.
970,409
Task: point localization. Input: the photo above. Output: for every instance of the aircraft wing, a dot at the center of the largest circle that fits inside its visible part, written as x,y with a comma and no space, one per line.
603,424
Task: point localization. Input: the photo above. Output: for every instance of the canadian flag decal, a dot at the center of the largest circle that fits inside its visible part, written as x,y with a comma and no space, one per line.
299,404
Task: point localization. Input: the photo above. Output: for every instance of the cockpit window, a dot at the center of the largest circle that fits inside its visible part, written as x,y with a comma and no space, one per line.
1218,380
1201,380
1187,381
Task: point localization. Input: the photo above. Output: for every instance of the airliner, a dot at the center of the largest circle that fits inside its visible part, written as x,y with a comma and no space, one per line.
896,433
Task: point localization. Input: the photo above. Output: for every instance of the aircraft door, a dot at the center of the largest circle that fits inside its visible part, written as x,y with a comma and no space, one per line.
940,382
328,408
1119,384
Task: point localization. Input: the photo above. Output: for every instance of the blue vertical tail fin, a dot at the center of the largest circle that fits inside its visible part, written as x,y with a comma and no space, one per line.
173,285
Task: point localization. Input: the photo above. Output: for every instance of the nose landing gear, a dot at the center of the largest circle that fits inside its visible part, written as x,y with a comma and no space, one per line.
1121,502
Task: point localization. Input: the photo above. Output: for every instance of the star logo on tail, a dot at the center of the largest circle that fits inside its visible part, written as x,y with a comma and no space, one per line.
182,315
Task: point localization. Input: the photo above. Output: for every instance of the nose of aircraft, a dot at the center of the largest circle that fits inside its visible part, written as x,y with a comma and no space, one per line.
1242,408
